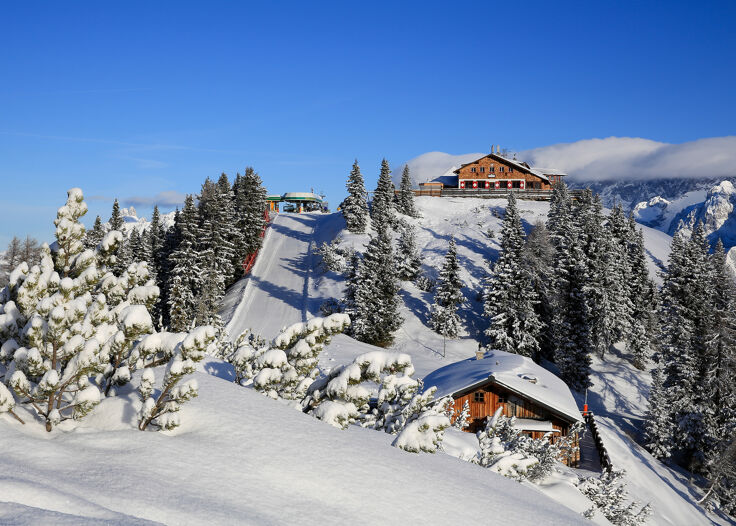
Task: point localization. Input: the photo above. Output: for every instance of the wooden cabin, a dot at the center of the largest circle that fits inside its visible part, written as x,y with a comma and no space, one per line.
492,172
496,172
541,402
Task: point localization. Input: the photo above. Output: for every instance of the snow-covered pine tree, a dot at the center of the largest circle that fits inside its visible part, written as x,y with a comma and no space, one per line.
95,235
382,206
570,321
408,260
341,397
405,198
64,317
425,431
185,275
375,312
608,494
355,206
156,258
602,288
462,419
448,296
538,258
642,299
116,218
510,298
162,410
352,282
250,207
134,245
289,366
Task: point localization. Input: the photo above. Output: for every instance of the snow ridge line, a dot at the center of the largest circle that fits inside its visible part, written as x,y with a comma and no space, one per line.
245,294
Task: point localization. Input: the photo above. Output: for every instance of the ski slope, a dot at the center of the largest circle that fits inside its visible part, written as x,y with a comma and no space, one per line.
276,292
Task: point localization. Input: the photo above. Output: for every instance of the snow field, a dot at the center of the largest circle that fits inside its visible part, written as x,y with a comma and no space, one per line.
242,458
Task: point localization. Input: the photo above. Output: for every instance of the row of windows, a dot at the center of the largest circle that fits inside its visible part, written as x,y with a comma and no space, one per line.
479,396
491,169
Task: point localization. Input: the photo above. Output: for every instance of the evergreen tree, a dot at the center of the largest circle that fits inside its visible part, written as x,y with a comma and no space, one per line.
408,260
510,298
571,319
116,218
94,236
95,316
448,296
376,309
538,258
185,273
642,300
355,206
382,209
405,197
250,208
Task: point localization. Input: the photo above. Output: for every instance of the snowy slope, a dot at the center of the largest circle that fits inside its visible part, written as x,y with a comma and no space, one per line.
618,398
241,458
275,293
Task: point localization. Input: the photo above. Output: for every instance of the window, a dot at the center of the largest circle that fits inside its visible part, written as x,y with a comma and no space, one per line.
501,399
492,168
511,169
500,169
515,184
479,396
482,169
472,170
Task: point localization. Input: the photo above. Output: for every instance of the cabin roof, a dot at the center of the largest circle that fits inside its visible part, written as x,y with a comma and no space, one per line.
512,371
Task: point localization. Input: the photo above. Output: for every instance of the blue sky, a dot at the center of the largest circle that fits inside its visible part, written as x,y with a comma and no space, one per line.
132,99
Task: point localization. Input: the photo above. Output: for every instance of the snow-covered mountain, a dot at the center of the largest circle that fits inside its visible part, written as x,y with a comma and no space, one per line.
131,221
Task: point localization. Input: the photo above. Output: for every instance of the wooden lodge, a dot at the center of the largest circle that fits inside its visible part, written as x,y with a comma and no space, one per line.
493,175
540,401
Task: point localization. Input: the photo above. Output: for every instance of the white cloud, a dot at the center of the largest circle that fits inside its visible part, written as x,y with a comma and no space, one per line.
610,158
169,198
635,158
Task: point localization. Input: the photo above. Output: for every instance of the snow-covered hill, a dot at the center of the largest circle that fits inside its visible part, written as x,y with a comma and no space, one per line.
241,458
131,221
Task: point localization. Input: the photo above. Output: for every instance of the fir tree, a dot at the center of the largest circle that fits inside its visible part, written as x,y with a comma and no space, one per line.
95,235
250,207
382,208
376,309
538,257
116,218
408,260
185,273
405,197
571,318
510,298
355,206
448,296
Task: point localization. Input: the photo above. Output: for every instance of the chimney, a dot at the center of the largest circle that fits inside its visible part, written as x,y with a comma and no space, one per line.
479,353
492,145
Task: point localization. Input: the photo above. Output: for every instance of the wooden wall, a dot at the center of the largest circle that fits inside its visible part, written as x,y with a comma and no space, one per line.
515,175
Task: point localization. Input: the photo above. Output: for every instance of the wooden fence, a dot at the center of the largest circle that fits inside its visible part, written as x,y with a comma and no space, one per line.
602,452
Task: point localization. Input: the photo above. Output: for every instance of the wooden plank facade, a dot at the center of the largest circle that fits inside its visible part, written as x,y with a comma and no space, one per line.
484,400
496,172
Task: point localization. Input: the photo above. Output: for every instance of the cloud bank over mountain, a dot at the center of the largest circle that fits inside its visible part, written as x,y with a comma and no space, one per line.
612,158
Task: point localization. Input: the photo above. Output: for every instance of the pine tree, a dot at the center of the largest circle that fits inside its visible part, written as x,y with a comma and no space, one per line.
571,318
250,207
382,207
538,258
95,235
95,315
185,275
405,197
510,298
116,218
408,260
355,206
376,309
642,300
448,296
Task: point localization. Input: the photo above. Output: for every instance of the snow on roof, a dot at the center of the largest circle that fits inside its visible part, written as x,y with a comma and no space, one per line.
515,372
548,171
528,424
